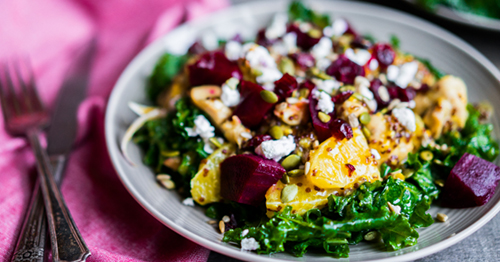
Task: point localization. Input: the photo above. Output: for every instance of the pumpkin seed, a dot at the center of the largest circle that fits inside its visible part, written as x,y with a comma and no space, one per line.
370,236
289,193
170,153
366,132
276,132
296,173
303,92
441,217
291,162
215,142
426,155
358,96
256,72
286,66
365,118
347,88
166,181
286,130
314,33
324,117
285,179
439,182
269,96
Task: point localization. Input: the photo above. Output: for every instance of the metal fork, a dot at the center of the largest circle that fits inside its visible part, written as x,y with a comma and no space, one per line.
25,115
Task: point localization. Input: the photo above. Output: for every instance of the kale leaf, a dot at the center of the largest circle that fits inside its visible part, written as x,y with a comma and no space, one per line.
297,11
165,70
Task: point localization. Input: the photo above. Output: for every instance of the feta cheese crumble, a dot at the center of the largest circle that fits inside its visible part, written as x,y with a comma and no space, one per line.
230,95
403,75
325,103
244,232
204,129
209,40
276,149
338,28
188,202
360,57
259,58
322,48
328,85
373,65
406,117
233,50
248,244
277,27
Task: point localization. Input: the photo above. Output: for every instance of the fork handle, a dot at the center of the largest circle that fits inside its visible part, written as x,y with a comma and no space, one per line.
66,242
32,239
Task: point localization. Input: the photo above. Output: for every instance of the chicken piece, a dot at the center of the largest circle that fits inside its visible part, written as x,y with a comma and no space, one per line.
207,98
235,132
391,139
352,106
293,114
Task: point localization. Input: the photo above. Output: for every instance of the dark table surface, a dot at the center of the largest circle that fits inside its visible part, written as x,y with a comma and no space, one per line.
484,245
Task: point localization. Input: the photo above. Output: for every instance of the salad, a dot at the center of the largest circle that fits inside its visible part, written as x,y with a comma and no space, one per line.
314,136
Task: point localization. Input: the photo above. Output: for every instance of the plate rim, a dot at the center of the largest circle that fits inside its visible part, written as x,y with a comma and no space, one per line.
409,20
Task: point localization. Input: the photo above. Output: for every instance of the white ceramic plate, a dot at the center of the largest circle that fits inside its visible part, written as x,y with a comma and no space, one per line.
419,37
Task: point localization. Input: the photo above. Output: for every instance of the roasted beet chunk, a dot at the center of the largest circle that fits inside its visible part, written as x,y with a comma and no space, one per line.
341,97
384,54
472,182
335,127
304,40
285,86
304,60
253,108
246,178
345,70
255,142
212,68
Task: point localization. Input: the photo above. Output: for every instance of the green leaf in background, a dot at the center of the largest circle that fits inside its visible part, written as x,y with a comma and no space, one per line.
488,8
436,72
165,70
297,11
395,42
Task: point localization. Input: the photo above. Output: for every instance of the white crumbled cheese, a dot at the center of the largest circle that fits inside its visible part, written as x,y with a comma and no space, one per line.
373,65
322,48
276,149
230,95
328,85
248,244
375,153
209,40
188,202
202,127
325,103
277,27
226,219
290,42
233,50
305,27
208,147
406,117
259,58
244,232
407,73
338,28
360,57
323,63
392,73
394,208
412,104
246,135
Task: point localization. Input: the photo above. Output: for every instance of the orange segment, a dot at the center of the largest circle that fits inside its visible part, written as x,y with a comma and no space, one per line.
342,163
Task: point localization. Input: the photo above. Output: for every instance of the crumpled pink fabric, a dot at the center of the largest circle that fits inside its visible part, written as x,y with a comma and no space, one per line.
112,223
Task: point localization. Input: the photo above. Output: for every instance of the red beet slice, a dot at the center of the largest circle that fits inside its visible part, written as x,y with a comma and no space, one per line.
345,70
246,178
472,182
341,97
323,130
285,86
304,40
213,68
253,108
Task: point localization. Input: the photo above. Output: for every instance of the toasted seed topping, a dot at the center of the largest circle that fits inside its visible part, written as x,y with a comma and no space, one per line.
439,182
426,155
285,179
289,193
441,217
222,226
269,96
166,181
365,118
276,132
353,120
291,162
296,173
324,117
370,236
226,219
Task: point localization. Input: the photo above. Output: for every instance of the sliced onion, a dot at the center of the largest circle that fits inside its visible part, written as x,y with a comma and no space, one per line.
140,109
153,113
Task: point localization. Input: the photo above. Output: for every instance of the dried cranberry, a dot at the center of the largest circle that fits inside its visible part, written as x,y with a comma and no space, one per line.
307,84
351,169
360,42
304,40
304,60
345,70
384,54
285,86
213,68
255,141
342,96
197,48
393,91
406,94
341,129
424,88
232,224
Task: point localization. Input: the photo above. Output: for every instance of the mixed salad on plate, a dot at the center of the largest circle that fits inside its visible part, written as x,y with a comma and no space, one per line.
313,136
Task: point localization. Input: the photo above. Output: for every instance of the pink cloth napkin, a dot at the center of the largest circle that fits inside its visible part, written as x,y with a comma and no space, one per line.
113,225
